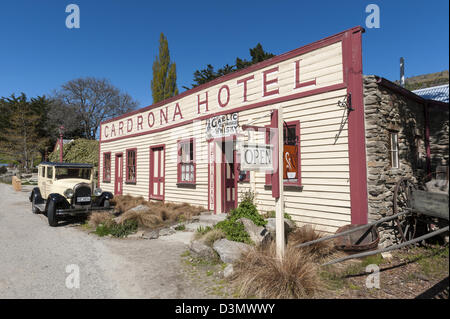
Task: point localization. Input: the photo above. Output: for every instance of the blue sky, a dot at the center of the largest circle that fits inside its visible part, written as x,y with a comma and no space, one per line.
118,39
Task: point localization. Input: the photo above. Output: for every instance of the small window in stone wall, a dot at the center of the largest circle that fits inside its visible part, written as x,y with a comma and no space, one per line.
394,149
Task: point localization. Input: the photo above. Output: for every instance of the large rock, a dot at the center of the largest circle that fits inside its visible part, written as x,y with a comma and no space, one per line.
289,225
151,234
229,251
199,248
258,234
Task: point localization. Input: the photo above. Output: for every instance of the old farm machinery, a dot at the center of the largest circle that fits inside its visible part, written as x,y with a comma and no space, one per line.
419,213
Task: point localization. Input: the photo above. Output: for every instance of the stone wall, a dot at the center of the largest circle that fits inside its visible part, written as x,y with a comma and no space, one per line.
385,112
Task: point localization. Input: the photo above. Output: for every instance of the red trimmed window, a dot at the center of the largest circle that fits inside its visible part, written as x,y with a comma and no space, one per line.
131,166
186,161
291,155
107,167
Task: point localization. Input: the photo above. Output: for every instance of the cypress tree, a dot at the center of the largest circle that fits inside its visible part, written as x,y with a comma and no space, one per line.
164,83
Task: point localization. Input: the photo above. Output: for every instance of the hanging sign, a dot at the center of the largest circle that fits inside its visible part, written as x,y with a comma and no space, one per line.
257,157
222,125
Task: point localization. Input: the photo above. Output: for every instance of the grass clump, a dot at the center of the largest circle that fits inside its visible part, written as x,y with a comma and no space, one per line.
153,214
117,230
97,218
259,273
308,233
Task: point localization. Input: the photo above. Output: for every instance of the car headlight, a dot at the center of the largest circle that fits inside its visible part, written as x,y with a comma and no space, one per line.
68,193
98,191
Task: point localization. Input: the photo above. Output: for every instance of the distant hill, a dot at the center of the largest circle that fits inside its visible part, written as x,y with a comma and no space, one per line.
426,80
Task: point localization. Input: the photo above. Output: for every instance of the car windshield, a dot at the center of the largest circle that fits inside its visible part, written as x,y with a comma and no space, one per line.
66,172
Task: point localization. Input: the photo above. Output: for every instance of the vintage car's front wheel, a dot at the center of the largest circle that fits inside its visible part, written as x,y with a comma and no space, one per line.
51,214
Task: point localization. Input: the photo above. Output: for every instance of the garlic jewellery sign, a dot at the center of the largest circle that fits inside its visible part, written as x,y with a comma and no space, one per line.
222,125
257,157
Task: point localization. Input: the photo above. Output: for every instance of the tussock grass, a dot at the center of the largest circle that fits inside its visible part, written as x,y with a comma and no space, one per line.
308,233
158,213
259,273
97,218
210,237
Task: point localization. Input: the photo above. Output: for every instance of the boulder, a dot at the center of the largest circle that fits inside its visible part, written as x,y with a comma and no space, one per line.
228,271
229,251
166,231
138,234
140,208
258,234
151,234
199,248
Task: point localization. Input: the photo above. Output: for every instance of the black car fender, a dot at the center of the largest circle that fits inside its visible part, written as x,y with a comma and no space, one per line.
60,201
104,196
36,195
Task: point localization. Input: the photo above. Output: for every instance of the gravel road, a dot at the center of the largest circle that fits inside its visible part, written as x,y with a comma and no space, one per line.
34,257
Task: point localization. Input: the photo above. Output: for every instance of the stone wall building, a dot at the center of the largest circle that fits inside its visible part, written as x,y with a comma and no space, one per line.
406,136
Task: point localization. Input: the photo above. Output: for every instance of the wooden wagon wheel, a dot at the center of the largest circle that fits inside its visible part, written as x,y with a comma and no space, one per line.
406,224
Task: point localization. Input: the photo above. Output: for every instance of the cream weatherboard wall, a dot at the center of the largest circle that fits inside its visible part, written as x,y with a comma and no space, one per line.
323,200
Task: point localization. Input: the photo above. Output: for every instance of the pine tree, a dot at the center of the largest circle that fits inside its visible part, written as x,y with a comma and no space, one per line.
21,139
164,83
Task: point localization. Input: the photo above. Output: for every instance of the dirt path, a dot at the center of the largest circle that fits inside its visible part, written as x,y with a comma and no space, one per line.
34,256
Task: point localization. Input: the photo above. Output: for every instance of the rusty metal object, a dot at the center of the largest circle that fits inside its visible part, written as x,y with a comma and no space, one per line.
363,239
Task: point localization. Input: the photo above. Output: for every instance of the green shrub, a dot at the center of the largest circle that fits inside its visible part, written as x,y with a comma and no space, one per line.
234,231
125,229
180,227
117,230
247,209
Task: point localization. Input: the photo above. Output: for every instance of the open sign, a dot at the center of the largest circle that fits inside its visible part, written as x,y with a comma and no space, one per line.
257,157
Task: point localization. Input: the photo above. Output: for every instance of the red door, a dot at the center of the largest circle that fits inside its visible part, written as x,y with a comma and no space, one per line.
229,181
157,172
118,181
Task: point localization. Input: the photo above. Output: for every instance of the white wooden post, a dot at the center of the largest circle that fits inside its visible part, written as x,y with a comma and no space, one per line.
279,202
252,173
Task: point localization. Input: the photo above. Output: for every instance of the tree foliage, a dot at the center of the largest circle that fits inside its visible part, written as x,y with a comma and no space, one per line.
208,74
78,151
164,83
25,128
90,101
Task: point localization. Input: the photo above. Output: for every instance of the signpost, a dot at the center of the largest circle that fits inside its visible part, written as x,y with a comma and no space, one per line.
267,157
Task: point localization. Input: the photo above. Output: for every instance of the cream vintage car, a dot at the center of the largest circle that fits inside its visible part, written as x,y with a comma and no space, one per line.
67,189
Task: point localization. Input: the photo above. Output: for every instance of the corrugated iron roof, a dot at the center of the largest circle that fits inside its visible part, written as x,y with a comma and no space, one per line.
437,93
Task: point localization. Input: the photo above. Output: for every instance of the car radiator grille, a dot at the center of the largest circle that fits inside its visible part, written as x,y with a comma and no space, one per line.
81,193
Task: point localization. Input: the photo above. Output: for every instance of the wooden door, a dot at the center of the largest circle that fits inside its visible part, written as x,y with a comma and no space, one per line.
229,180
118,176
157,172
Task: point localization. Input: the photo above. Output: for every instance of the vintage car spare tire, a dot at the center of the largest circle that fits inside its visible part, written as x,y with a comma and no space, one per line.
51,214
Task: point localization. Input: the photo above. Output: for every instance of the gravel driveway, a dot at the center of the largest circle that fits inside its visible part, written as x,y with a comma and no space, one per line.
34,257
